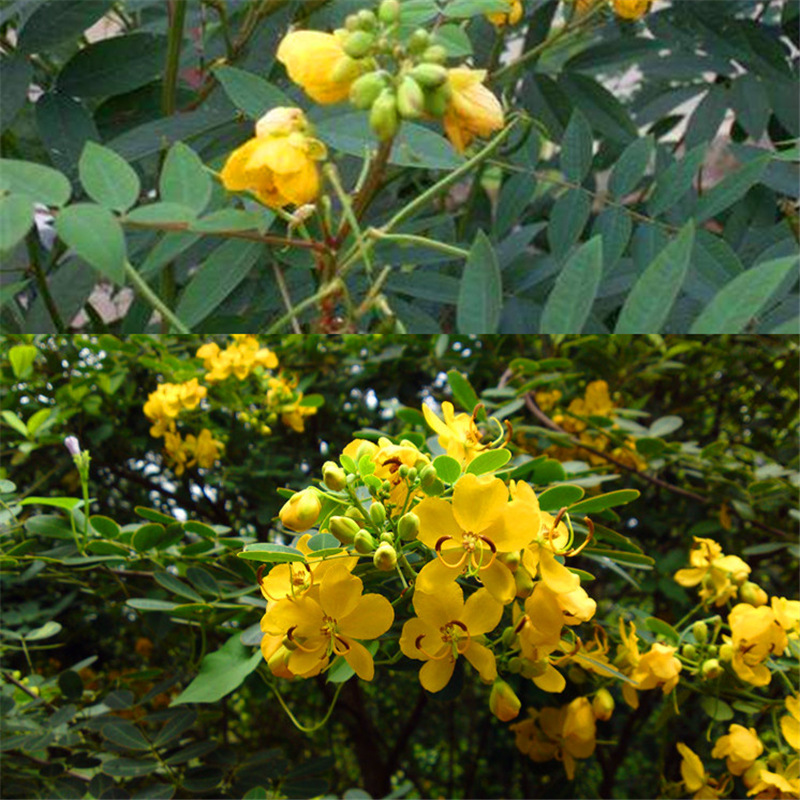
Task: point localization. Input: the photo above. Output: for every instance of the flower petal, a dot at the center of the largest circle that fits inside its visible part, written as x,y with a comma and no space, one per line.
442,607
557,577
372,616
435,574
478,501
481,613
435,675
482,658
359,658
436,519
499,581
412,631
551,681
339,592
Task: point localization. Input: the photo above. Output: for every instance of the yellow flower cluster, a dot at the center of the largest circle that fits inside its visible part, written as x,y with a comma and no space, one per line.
596,402
200,451
718,575
283,399
239,358
511,17
168,400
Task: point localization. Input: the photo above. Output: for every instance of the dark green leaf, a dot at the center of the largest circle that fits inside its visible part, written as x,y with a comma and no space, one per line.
480,294
59,20
576,148
567,220
673,183
40,183
125,734
604,501
630,167
96,236
16,218
184,179
249,92
108,179
730,189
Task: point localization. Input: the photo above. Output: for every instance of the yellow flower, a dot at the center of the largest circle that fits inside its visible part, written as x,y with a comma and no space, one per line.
205,449
503,702
694,775
278,165
284,399
311,58
547,400
473,109
790,724
658,667
238,358
567,733
783,784
446,627
458,434
740,746
468,533
511,17
541,552
755,634
168,400
719,574
539,635
331,625
787,613
301,510
631,9
174,449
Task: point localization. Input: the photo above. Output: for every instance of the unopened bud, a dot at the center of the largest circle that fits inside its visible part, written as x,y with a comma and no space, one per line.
603,704
365,90
389,11
333,476
427,475
301,510
412,475
408,526
533,669
775,761
363,542
437,100
410,99
73,445
367,19
435,54
710,669
712,649
383,117
377,513
434,488
365,449
351,22
418,41
277,663
753,774
508,636
358,44
346,69
523,582
503,703
689,651
515,665
429,76
385,558
726,652
700,631
344,529
403,471
355,513
577,675
752,593
387,537
511,560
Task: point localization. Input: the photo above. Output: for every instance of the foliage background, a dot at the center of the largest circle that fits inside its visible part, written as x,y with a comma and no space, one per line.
686,121
720,420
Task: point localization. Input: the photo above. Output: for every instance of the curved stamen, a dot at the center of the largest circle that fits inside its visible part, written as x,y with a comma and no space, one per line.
342,641
290,637
438,549
467,640
492,547
565,658
589,537
259,573
479,407
425,652
523,621
291,578
554,526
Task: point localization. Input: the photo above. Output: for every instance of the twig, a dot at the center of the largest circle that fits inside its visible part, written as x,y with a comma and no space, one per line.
142,288
287,300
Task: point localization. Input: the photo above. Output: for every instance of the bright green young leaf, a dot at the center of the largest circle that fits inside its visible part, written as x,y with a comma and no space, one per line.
108,179
184,179
96,236
269,553
480,295
647,306
556,497
249,92
741,300
570,301
447,468
488,461
463,393
603,501
22,357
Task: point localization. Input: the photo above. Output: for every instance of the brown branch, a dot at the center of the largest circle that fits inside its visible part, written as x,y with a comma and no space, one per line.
652,479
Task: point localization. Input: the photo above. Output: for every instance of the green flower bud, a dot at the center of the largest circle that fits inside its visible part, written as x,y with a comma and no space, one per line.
377,513
700,631
533,669
383,117
429,76
418,41
345,70
355,513
363,542
412,475
503,702
408,526
410,99
711,668
515,665
387,537
508,636
344,529
752,593
358,44
713,650
752,775
385,558
427,475
389,11
301,510
435,54
438,100
511,560
351,22
434,489
333,476
577,675
365,449
689,651
403,471
775,761
367,20
603,704
386,487
524,582
726,652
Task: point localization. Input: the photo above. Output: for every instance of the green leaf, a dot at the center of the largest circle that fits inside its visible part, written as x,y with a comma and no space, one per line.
447,468
576,149
568,306
650,447
673,183
743,298
182,720
176,586
648,305
16,218
658,626
152,515
105,526
68,503
568,218
604,501
614,226
65,126
46,631
16,73
488,461
148,604
461,9
184,179
622,557
221,273
96,236
22,356
730,189
630,167
160,213
220,673
14,421
515,194
248,92
271,553
602,109
147,537
40,183
129,767
203,581
462,390
455,39
231,219
108,179
480,295
665,425
717,709
323,541
125,734
114,66
57,21
556,497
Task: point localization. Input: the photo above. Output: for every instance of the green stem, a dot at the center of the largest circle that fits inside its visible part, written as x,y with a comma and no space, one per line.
41,282
330,288
142,288
332,174
422,241
295,721
177,17
85,487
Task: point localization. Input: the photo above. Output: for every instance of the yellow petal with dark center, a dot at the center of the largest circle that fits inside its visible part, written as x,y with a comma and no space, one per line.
431,639
359,658
442,607
436,519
